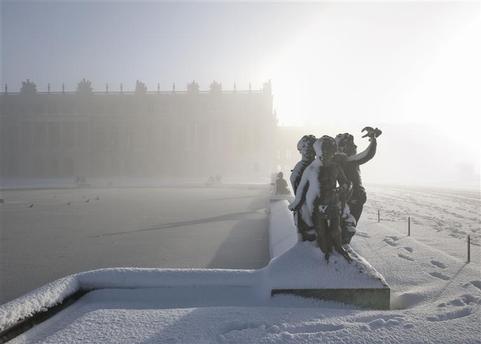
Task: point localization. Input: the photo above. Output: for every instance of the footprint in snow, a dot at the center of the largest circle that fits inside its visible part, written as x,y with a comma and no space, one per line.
439,275
409,249
405,256
363,234
476,283
459,313
238,326
371,318
391,240
380,323
316,328
438,264
463,300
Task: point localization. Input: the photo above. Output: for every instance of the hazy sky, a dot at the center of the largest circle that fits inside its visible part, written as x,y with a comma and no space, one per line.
411,68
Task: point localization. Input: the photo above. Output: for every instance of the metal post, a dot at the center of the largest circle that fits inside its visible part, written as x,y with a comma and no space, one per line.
469,248
378,216
409,225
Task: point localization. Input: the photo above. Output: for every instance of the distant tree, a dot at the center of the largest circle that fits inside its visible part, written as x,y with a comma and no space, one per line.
193,87
84,87
140,87
215,87
28,88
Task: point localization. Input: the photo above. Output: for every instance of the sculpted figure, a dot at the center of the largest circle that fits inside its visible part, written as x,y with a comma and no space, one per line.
305,148
281,185
318,192
350,165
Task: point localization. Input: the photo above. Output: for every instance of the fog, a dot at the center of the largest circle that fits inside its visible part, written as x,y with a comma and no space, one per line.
410,69
146,133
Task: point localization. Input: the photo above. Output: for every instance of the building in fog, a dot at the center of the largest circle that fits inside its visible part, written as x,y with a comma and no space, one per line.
140,134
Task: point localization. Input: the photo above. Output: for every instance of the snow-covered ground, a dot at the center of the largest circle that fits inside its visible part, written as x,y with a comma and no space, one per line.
436,295
440,218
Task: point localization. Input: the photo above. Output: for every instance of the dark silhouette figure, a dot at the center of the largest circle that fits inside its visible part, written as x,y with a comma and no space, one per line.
319,194
281,185
350,164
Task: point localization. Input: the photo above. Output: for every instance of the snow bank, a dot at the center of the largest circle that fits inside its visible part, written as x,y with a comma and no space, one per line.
151,278
55,292
37,301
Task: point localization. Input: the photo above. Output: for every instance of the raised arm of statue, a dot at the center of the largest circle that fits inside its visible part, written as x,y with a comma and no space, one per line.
366,154
370,151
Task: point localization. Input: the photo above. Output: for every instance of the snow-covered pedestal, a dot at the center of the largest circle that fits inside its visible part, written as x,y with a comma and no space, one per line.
300,268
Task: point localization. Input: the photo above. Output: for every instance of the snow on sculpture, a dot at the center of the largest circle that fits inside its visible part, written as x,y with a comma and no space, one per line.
304,146
319,200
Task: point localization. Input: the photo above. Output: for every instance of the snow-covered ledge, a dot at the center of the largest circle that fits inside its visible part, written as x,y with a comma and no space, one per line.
58,291
282,231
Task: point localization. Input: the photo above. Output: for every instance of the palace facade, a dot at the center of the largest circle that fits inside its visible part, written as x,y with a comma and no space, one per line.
140,134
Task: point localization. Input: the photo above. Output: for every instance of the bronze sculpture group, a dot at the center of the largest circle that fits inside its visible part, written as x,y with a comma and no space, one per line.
329,195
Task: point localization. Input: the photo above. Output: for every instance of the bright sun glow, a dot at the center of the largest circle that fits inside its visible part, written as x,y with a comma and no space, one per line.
428,73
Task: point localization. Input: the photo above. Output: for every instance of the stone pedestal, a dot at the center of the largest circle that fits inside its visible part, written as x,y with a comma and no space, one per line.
299,268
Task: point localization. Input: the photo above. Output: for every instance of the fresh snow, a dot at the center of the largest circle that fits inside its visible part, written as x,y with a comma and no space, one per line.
436,295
